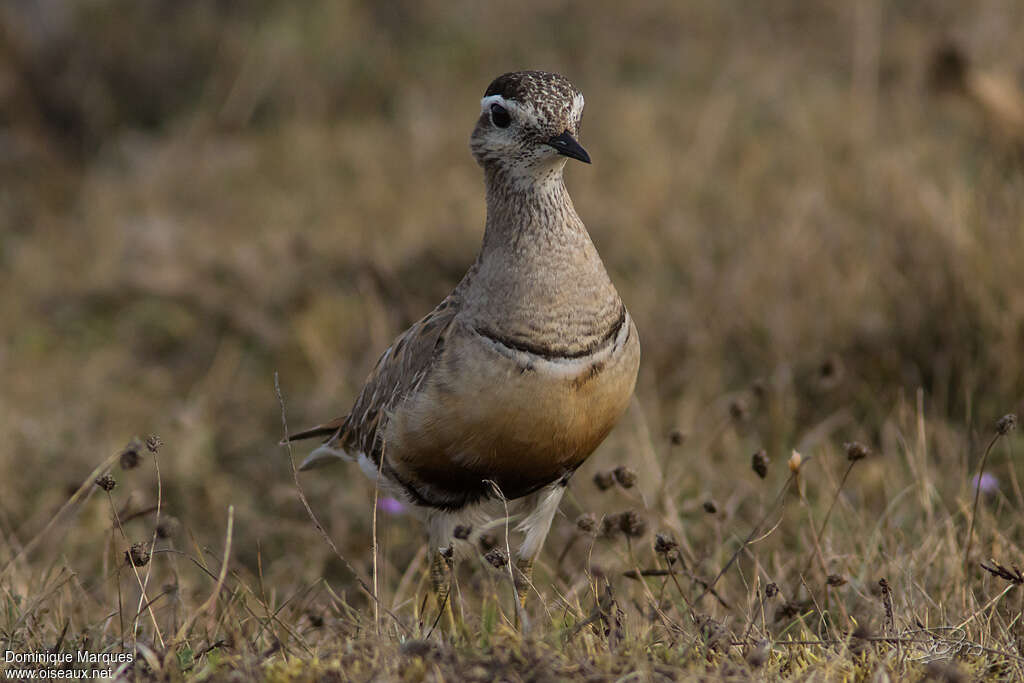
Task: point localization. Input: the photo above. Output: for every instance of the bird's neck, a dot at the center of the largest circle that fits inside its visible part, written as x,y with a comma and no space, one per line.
538,275
530,210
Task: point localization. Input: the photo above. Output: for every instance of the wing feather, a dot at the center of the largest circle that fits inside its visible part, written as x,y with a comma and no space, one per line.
398,373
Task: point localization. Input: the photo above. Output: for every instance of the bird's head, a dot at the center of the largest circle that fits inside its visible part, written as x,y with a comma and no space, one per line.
529,124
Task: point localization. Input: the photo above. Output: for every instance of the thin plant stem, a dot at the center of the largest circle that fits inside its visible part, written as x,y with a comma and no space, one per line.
977,496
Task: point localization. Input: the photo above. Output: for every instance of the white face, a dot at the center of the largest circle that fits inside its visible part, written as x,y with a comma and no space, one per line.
516,135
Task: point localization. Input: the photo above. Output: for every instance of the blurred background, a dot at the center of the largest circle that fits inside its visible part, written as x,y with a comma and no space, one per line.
814,211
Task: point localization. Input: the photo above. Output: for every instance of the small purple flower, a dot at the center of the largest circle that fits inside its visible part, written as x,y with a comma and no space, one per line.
391,506
988,484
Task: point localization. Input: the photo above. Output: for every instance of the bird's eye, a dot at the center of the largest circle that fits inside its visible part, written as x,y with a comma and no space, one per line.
500,116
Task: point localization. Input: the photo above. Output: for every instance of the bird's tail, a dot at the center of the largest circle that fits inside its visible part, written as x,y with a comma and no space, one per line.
325,454
326,429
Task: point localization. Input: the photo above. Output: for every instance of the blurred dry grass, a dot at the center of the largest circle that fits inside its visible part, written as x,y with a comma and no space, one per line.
816,249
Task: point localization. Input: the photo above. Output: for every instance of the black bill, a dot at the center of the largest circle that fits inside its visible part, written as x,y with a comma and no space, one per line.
567,146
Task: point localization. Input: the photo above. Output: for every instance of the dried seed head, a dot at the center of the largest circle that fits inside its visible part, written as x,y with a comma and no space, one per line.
835,580
771,590
625,476
676,437
168,527
604,480
106,482
462,531
632,524
663,544
795,461
610,526
855,451
153,443
758,389
1006,424
830,373
130,455
759,463
496,557
831,369
487,541
587,523
137,555
710,507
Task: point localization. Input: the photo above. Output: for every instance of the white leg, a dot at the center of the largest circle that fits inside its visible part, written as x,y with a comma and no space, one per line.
440,529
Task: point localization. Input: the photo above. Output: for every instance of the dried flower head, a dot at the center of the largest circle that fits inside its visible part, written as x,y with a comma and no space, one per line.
487,541
830,372
496,557
137,555
710,507
168,527
106,482
625,476
855,451
604,480
587,522
632,524
610,526
153,443
664,543
758,389
1006,424
795,460
462,531
676,437
759,463
130,455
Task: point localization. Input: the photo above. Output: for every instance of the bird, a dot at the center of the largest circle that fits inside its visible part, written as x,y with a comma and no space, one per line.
504,389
